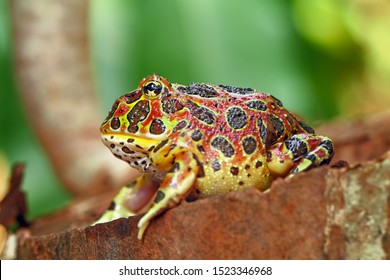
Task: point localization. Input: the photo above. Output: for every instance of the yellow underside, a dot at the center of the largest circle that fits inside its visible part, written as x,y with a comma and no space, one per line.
222,181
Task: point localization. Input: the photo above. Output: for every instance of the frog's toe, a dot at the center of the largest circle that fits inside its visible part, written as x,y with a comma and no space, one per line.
299,153
320,153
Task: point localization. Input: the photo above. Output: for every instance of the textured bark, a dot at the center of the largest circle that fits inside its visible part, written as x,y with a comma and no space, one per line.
52,63
327,213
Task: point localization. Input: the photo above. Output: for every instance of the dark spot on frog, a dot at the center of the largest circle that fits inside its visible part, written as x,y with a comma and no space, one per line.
249,144
160,196
216,166
234,170
238,90
204,114
223,145
201,149
132,96
202,90
159,146
130,140
270,135
241,183
196,135
258,164
138,113
112,146
157,127
247,167
201,173
182,124
297,147
201,113
127,150
265,136
170,106
277,125
257,105
151,148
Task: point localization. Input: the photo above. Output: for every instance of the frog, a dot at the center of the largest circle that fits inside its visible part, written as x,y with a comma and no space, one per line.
201,140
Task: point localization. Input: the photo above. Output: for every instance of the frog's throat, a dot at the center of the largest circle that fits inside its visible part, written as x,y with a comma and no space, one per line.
130,140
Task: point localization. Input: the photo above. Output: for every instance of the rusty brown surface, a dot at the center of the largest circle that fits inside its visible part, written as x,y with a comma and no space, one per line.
328,213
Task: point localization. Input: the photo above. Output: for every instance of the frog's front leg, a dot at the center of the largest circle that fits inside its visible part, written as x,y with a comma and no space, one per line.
177,184
298,153
131,200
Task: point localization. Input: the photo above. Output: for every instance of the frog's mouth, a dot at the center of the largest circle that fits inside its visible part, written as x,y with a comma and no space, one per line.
128,143
134,150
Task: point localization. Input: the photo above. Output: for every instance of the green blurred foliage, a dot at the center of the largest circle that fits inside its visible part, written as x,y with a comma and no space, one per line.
252,44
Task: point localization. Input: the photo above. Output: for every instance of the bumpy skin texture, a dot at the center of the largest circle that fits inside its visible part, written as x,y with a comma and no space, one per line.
202,140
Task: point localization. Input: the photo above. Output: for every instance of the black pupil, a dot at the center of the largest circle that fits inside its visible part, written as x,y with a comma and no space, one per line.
154,87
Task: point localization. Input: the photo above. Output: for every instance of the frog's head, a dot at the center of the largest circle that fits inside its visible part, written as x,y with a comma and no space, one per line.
140,120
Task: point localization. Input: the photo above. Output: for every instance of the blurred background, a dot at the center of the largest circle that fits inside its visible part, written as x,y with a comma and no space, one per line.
325,59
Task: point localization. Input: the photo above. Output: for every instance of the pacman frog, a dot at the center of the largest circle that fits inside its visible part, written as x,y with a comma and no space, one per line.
203,140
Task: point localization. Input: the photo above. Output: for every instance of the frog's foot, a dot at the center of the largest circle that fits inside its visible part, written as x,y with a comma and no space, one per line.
177,184
300,152
131,200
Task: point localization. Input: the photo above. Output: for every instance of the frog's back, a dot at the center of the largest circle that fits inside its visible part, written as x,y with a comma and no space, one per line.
231,129
235,112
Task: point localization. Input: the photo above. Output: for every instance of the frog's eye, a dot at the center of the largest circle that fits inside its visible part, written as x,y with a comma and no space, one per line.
152,89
